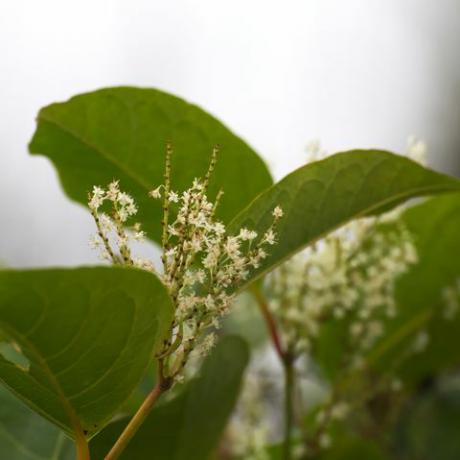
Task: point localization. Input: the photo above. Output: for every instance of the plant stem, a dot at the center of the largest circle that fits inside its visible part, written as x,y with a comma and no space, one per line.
270,322
163,385
82,447
135,423
289,389
287,360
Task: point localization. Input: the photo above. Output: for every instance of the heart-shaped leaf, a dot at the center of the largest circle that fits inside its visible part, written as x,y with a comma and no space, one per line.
322,196
121,133
85,338
188,427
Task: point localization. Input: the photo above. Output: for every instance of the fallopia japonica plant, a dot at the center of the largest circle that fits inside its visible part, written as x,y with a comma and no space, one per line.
81,343
343,286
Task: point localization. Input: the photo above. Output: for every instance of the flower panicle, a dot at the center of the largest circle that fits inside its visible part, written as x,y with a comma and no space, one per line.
202,264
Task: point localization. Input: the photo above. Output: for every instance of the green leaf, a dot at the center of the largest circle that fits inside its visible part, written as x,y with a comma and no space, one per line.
121,133
431,422
352,448
24,435
322,196
87,336
435,225
344,447
189,426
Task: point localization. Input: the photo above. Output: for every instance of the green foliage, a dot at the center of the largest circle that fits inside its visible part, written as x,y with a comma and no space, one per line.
121,133
351,448
24,435
435,225
88,335
189,426
324,195
430,426
76,344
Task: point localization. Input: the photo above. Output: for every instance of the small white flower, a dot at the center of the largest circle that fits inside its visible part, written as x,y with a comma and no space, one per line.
124,199
219,228
269,237
112,193
277,212
97,198
173,197
156,193
139,236
247,235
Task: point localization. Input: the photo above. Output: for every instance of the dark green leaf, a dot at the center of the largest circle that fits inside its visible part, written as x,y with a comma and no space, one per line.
87,336
24,435
121,133
188,427
324,195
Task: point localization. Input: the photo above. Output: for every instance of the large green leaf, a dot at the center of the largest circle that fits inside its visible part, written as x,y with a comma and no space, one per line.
24,435
188,427
86,337
324,195
121,133
435,225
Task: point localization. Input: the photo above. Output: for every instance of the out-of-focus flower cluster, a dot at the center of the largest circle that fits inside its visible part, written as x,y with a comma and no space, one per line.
202,263
348,275
248,432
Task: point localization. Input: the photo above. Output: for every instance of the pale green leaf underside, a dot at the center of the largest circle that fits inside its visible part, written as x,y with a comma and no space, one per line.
188,427
121,133
88,335
24,435
322,196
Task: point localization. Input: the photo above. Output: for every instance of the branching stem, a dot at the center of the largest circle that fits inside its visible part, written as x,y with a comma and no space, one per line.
289,388
140,416
82,447
287,360
270,322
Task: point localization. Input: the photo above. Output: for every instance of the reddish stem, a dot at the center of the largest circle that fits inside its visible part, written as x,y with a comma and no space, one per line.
271,324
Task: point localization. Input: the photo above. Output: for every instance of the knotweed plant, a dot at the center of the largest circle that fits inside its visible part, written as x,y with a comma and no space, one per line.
75,343
347,278
202,265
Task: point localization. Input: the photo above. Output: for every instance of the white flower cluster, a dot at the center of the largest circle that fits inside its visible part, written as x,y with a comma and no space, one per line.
349,275
202,264
248,432
112,239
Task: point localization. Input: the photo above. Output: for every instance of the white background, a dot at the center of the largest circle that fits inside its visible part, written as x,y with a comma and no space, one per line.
353,73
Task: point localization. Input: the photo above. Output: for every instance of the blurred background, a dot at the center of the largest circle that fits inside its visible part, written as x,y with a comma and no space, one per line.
355,73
